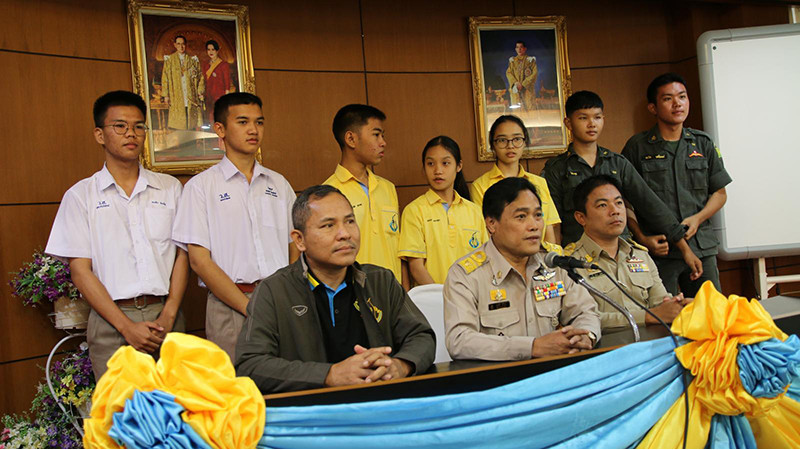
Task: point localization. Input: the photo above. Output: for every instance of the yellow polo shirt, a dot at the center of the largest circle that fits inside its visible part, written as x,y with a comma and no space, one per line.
439,236
377,215
485,181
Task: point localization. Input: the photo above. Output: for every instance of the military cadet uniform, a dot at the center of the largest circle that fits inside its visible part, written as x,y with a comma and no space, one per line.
632,267
492,313
567,170
683,177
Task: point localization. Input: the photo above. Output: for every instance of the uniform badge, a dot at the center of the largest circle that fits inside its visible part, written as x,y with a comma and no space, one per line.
544,274
554,322
473,241
661,156
377,313
496,295
393,224
299,310
638,267
633,259
695,154
548,291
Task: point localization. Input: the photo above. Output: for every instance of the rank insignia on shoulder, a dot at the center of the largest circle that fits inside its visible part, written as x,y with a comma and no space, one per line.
479,257
473,261
550,290
635,244
569,249
550,247
695,154
719,153
495,295
638,267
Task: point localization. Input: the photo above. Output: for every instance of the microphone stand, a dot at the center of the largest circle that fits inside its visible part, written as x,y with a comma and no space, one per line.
582,281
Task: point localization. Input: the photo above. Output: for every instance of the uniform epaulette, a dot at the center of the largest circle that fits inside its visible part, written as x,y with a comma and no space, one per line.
472,261
698,133
635,244
550,247
570,249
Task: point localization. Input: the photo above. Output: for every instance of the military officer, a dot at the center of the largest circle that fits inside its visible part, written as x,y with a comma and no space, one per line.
501,303
600,209
684,168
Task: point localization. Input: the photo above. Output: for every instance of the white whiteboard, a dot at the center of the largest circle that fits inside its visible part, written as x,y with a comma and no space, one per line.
750,86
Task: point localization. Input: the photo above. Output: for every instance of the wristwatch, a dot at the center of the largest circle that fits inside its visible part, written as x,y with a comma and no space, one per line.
593,337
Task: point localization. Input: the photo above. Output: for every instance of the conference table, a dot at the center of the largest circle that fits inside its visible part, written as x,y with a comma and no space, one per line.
468,375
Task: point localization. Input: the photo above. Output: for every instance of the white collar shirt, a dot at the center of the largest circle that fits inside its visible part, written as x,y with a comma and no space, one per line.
128,238
244,225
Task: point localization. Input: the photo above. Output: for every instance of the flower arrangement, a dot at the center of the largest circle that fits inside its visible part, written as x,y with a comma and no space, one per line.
45,279
73,383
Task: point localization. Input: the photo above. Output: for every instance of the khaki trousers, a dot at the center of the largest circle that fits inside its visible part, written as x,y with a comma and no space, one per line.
223,324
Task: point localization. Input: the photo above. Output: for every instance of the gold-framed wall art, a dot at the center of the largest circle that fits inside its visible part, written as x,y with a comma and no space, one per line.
520,67
184,56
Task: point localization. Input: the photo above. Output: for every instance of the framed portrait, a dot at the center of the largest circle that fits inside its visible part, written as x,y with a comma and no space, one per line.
520,67
186,55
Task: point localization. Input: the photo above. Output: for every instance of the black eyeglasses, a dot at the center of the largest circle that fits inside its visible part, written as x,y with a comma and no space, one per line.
121,128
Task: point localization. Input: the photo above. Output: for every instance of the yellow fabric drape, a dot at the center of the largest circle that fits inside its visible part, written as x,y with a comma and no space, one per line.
226,411
717,325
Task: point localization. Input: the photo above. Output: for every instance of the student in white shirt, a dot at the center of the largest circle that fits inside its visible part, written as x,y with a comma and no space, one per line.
235,219
114,229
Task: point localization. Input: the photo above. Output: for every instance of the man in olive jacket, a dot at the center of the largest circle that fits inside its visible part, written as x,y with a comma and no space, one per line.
326,320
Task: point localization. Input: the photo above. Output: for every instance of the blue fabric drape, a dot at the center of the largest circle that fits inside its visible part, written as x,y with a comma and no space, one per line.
610,400
153,420
767,367
730,432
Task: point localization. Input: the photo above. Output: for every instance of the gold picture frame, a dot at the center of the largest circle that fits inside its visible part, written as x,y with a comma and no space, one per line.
180,93
531,81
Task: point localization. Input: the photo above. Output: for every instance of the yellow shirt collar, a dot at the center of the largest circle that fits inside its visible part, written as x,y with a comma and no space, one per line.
495,173
433,197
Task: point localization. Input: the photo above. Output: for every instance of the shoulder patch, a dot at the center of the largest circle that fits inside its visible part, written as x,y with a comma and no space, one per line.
550,247
473,261
570,249
635,244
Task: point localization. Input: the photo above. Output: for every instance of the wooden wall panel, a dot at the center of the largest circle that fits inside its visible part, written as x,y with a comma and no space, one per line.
88,29
406,195
25,229
306,35
419,107
20,380
421,35
635,33
47,124
299,107
625,109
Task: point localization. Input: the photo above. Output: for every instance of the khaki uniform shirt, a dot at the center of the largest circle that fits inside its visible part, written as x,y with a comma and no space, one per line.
632,267
492,312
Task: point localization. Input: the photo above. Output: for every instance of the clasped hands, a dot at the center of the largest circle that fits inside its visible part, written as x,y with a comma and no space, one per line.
567,340
367,366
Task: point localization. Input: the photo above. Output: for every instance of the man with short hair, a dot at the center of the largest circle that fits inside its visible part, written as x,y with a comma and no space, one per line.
685,170
182,87
235,219
501,303
600,210
359,130
522,73
326,320
114,229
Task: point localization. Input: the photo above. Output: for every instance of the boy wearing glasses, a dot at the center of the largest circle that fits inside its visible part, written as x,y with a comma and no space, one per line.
584,159
508,138
114,229
235,219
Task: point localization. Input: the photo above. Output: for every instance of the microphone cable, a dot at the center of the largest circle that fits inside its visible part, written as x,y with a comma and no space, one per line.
675,342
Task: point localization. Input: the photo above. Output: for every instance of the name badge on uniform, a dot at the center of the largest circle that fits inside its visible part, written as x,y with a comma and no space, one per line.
548,291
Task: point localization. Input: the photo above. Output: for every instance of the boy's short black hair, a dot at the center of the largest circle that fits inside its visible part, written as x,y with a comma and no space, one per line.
224,103
661,80
116,98
582,191
504,192
352,117
582,100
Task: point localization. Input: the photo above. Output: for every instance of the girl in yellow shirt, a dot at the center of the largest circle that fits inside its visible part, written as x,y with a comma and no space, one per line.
508,138
441,225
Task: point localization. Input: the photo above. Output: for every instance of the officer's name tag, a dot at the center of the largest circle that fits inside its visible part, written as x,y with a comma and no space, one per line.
548,291
499,305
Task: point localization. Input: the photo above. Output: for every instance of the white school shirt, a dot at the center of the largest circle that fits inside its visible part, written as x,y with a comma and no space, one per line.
245,226
128,239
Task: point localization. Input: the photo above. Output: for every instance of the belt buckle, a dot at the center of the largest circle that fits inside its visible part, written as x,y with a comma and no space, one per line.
136,302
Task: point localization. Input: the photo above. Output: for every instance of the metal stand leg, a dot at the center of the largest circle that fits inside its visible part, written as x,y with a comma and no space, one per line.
50,384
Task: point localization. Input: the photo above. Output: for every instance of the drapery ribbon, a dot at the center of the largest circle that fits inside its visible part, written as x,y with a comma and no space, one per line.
223,410
720,328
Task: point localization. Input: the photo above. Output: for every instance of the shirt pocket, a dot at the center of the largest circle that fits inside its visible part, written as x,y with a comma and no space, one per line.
274,214
656,173
471,238
159,223
499,322
390,223
697,173
641,284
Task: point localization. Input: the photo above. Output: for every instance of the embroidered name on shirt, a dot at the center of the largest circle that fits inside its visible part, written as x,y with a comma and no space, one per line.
271,191
433,220
223,197
156,202
102,204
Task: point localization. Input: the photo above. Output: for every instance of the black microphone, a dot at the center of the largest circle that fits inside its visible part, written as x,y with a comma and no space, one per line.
553,259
